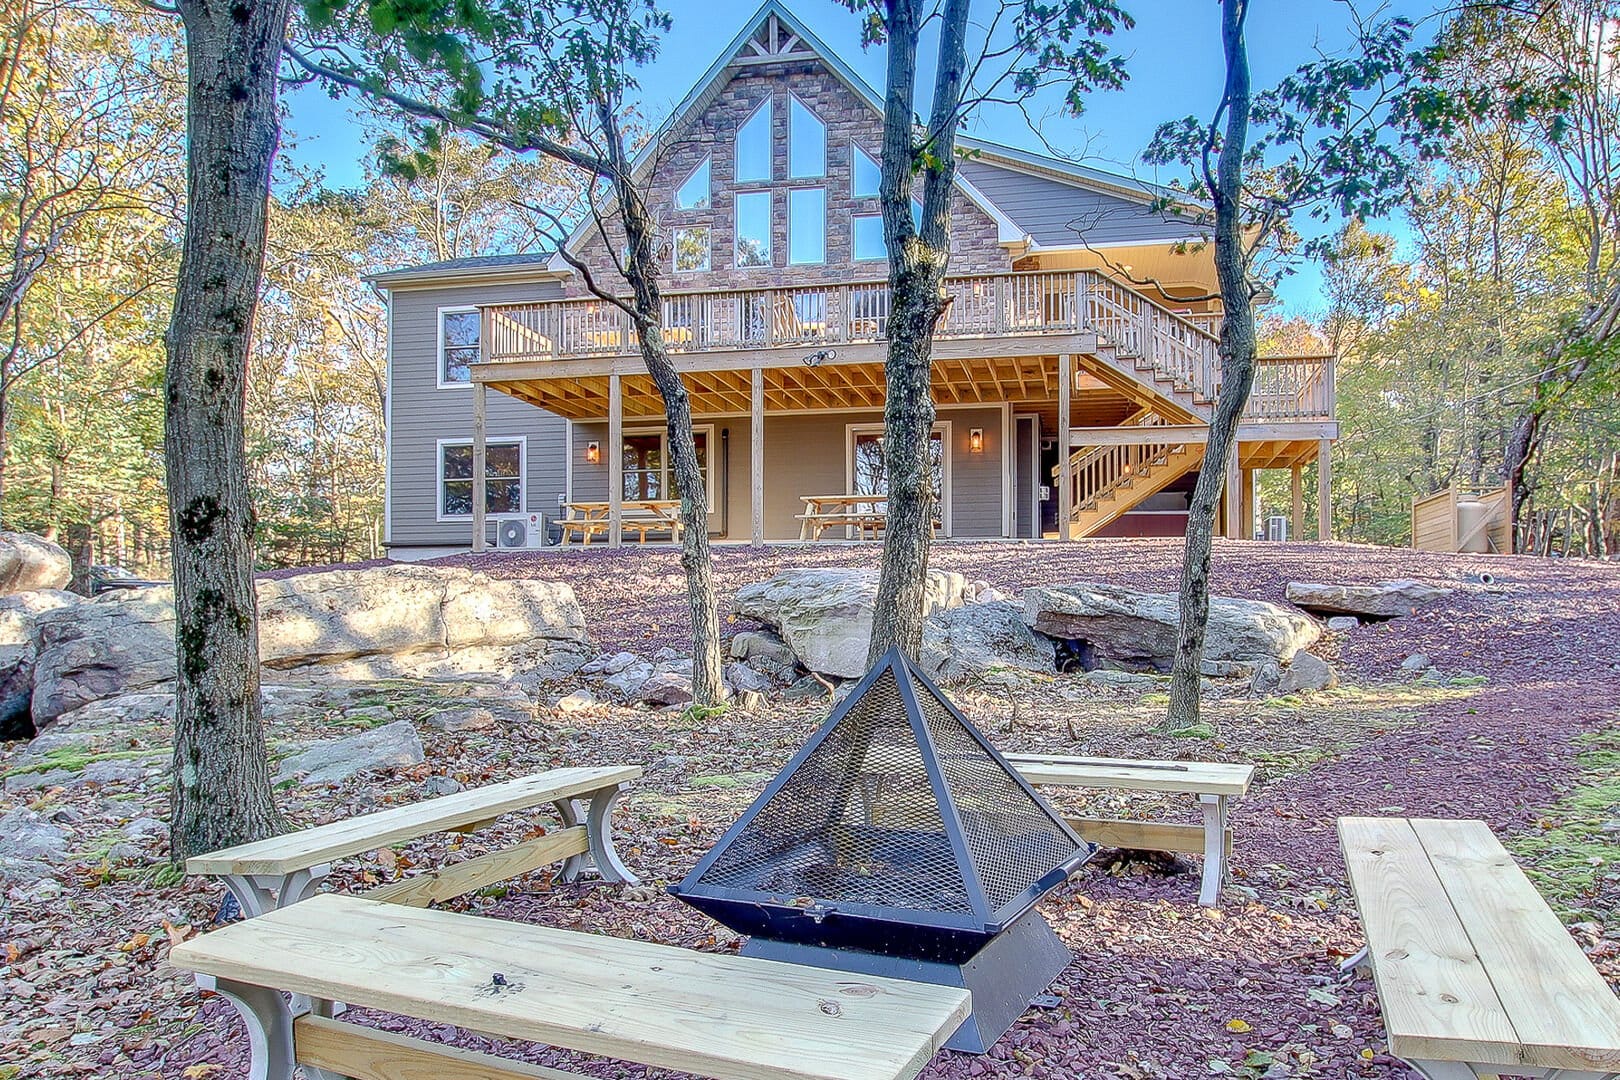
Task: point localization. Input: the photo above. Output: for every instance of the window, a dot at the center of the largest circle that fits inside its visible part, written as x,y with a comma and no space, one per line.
648,473
807,225
807,141
694,193
754,229
458,345
865,175
754,146
692,249
868,472
503,478
867,237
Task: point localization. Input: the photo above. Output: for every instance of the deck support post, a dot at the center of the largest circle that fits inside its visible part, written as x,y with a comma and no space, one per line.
1065,451
756,458
1324,489
615,453
1250,511
479,481
1296,524
1232,496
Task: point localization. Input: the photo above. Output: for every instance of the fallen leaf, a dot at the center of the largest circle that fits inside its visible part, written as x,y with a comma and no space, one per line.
1239,1027
198,1072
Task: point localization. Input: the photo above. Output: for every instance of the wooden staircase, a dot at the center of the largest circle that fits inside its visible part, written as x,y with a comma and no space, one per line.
1111,480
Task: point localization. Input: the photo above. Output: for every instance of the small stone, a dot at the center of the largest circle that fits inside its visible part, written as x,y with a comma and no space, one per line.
1431,677
124,852
1415,662
390,746
664,654
666,688
627,681
578,701
1307,673
1342,623
741,677
619,661
441,785
473,718
808,688
143,827
1267,677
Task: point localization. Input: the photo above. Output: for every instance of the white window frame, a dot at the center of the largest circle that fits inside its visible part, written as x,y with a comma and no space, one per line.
770,140
438,331
770,227
822,261
438,472
793,99
662,431
941,427
856,257
856,148
675,248
708,196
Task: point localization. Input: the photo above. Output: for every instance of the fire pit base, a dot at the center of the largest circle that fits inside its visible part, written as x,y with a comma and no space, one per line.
1013,967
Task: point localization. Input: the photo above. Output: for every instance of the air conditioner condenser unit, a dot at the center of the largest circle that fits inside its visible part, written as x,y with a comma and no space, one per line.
520,532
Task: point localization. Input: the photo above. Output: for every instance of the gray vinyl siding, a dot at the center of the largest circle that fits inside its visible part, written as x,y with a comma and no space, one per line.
807,454
422,413
1057,214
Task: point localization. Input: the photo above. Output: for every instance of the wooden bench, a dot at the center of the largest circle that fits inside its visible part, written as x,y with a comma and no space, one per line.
724,1016
285,869
1475,974
1213,783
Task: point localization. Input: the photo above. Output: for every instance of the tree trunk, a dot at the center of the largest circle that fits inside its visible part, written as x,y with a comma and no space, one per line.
221,792
918,259
1237,351
708,685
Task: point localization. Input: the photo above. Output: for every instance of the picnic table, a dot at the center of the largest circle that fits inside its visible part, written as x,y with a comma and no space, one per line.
283,870
640,516
866,514
1475,974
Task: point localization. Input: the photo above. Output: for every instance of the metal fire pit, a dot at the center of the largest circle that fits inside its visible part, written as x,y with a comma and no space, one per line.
899,842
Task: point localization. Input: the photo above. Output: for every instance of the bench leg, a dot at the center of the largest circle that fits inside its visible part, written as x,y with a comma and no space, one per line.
1215,868
599,829
568,811
259,893
269,1021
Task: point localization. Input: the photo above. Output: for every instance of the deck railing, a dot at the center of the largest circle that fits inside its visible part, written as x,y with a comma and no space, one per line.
984,306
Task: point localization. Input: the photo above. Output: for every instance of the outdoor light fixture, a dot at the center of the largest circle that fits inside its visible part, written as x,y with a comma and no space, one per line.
593,453
976,440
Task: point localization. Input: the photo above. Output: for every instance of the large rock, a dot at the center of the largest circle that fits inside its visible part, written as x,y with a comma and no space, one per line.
29,562
379,622
390,746
29,846
973,639
17,650
1136,631
1386,600
825,615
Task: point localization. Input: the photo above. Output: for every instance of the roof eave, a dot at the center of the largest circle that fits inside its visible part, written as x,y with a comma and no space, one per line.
538,272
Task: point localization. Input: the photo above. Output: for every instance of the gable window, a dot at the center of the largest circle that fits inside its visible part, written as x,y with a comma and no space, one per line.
807,141
807,225
458,345
867,237
865,175
692,249
694,193
503,477
753,229
754,146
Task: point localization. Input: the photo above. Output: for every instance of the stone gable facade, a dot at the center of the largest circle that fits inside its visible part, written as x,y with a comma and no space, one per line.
849,122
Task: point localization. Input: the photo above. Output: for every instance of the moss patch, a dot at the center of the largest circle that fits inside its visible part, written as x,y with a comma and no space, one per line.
1570,857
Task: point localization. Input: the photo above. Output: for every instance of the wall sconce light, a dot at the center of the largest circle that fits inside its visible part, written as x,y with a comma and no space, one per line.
593,453
976,440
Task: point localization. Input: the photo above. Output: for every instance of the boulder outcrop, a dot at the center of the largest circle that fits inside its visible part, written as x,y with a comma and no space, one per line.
1386,600
29,562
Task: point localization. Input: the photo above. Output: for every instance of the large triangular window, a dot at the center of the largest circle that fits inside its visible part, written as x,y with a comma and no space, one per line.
754,146
807,141
694,193
865,175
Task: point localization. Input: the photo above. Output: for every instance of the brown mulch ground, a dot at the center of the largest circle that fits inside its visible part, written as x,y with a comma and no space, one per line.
1158,987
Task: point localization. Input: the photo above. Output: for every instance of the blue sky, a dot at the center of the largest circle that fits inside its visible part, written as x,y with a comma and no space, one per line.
1172,56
